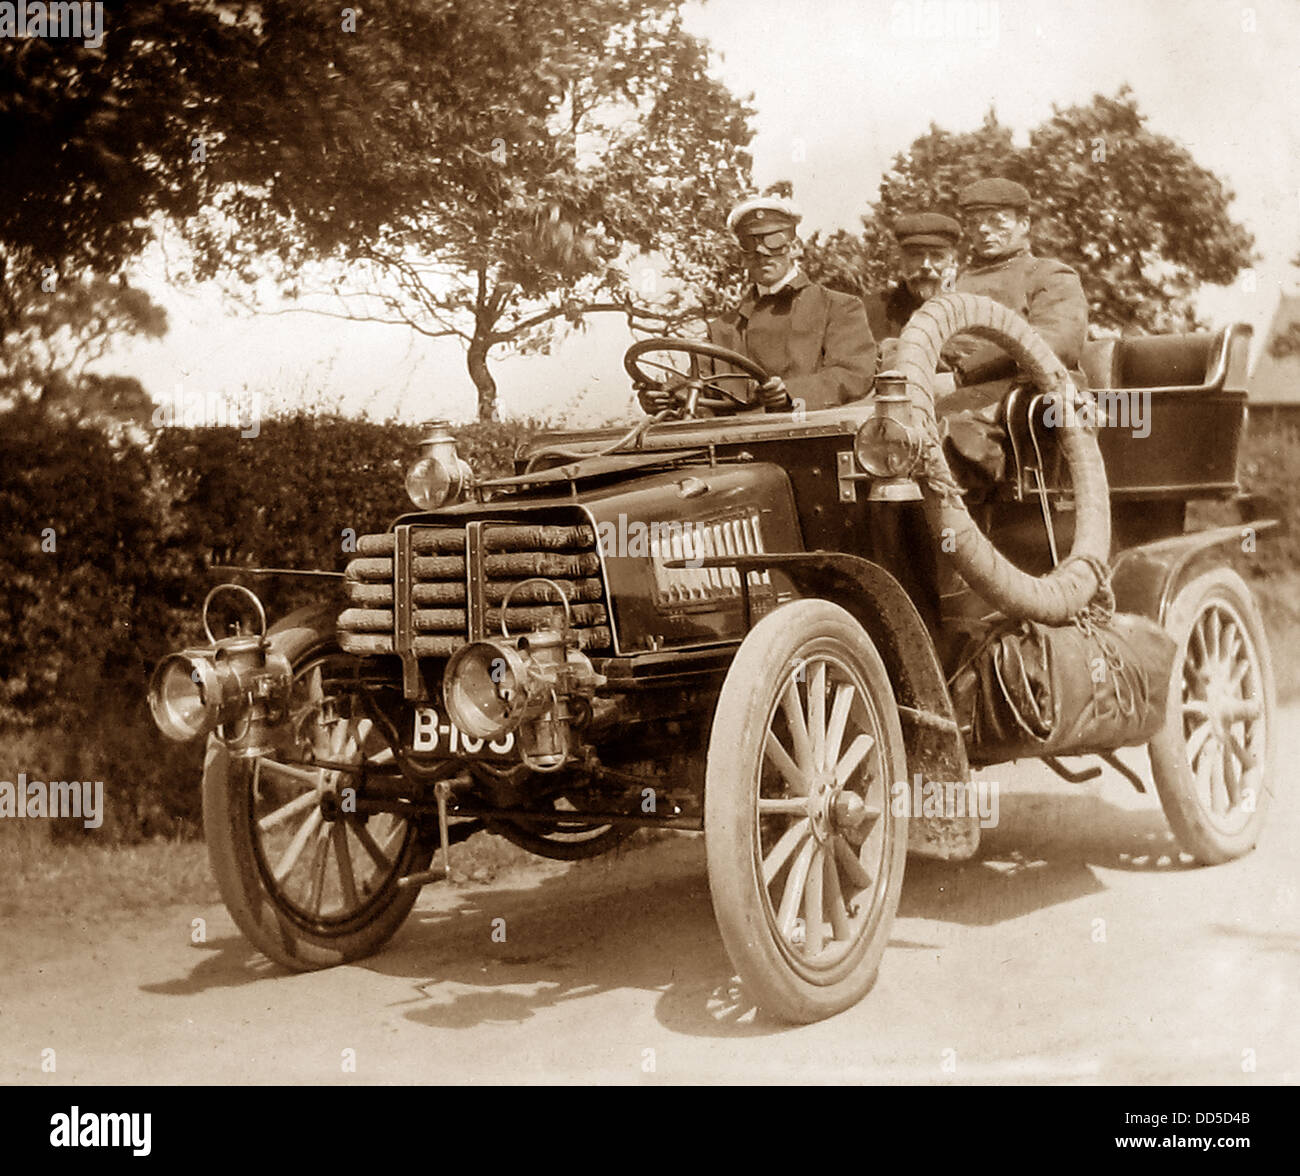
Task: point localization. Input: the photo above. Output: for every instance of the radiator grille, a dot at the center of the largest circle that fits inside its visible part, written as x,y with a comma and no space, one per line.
444,596
677,587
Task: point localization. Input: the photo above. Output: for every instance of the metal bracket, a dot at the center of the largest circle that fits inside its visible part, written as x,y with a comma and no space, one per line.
475,597
847,474
1040,488
1109,757
442,791
1068,774
413,686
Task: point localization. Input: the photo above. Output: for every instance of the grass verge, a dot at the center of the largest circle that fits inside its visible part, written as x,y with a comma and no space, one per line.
61,879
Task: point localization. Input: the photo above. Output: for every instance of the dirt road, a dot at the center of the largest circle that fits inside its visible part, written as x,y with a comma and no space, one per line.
1078,948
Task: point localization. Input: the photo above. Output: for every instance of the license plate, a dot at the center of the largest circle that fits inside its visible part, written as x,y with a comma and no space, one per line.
432,732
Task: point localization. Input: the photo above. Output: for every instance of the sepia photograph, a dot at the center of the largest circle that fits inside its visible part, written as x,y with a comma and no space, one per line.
650,543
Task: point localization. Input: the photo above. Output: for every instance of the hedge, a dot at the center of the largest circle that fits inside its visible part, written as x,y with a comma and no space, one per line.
107,549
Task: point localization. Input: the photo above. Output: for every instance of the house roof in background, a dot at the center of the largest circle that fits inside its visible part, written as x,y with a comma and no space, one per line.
1276,380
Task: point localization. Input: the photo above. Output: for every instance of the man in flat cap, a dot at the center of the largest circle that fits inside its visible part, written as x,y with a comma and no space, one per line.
815,343
1045,292
927,265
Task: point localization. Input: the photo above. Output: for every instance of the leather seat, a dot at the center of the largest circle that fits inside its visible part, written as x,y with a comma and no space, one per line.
1165,361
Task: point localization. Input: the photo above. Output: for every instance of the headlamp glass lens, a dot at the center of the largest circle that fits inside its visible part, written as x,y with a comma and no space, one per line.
430,482
885,448
178,701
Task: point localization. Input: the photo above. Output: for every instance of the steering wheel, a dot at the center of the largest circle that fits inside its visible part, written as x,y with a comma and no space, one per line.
692,389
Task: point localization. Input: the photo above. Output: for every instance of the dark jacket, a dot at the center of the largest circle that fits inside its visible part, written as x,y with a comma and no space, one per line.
816,340
888,311
1045,292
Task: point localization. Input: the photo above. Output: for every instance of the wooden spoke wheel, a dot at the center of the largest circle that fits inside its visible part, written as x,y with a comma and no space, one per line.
805,831
1213,761
308,882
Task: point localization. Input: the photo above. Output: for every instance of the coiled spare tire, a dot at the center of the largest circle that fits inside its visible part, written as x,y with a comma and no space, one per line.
1068,588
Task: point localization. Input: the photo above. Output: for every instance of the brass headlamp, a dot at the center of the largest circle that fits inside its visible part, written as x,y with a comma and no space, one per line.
529,683
439,475
238,687
887,445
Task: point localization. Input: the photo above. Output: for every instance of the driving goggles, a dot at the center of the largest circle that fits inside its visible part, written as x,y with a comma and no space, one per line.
771,244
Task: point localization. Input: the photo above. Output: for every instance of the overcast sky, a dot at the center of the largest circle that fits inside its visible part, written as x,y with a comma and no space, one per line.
840,86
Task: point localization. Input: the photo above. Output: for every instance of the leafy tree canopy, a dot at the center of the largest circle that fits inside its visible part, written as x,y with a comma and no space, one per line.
1130,209
485,168
96,143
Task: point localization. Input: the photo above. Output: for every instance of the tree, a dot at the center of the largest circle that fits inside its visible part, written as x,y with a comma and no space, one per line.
1130,209
96,144
1286,342
100,147
484,172
53,339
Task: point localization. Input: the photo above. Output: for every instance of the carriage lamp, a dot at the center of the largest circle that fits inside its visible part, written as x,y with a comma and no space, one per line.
886,445
439,475
237,687
535,683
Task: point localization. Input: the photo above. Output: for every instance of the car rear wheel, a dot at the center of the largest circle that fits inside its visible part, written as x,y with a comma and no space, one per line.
805,849
309,884
1213,760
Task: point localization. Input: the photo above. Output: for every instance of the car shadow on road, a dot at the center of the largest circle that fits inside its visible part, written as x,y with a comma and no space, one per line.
641,923
646,922
228,962
1045,848
642,920
1087,827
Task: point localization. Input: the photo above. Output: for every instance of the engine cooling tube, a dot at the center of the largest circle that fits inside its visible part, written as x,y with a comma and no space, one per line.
1067,589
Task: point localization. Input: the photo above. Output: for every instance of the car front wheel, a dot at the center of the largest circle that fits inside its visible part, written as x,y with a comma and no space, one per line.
308,883
805,831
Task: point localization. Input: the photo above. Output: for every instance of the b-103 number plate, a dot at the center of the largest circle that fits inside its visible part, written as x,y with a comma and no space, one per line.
433,733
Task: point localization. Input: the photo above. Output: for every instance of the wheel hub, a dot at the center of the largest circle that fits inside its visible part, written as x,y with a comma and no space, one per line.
832,808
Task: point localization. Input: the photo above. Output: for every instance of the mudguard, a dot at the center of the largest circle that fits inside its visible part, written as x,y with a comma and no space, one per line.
1146,578
936,753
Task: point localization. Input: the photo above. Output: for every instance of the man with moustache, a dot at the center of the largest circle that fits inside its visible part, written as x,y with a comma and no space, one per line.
927,265
815,343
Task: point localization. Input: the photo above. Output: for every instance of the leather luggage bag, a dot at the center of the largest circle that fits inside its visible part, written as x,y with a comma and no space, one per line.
1030,689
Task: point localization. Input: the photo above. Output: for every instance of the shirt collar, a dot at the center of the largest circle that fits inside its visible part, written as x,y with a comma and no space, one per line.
1023,251
792,276
796,279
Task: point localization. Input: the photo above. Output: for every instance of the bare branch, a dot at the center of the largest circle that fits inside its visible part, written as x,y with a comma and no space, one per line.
367,318
577,309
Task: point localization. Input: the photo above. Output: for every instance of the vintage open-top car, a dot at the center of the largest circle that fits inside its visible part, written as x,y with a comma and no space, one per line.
762,626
